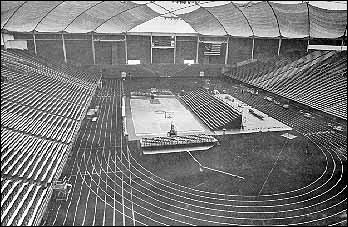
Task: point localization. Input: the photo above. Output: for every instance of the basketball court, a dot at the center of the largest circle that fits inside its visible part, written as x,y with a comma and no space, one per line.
146,118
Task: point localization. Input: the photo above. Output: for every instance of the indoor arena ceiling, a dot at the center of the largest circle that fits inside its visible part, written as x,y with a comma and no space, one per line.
218,18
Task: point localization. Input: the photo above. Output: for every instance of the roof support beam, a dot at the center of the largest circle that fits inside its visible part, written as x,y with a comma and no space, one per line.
214,17
197,49
117,15
151,49
64,49
3,40
226,51
47,14
172,11
80,15
279,45
93,48
251,28
13,14
309,22
252,49
280,34
174,47
34,39
125,48
342,43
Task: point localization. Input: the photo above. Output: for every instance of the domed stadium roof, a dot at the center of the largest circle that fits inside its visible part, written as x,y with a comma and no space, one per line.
216,18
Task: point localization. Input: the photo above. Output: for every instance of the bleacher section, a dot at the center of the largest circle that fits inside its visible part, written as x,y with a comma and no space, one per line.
42,106
318,80
213,112
258,68
176,141
21,198
159,70
319,131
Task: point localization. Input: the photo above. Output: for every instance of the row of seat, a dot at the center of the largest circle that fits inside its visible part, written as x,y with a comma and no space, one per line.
213,112
317,80
17,95
29,157
20,201
23,64
39,124
176,140
47,85
160,201
296,120
79,74
42,106
259,68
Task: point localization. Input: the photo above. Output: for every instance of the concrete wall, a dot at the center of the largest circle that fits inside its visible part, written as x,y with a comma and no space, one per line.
79,52
138,48
239,49
112,51
103,53
185,49
118,54
293,46
162,55
265,48
50,49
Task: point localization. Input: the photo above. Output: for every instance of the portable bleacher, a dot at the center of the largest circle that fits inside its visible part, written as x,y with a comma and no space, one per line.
176,143
215,113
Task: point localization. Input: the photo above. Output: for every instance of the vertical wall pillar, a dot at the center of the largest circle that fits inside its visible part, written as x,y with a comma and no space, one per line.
309,25
342,42
151,49
279,45
34,39
64,49
93,49
226,54
3,40
125,47
174,47
252,50
197,49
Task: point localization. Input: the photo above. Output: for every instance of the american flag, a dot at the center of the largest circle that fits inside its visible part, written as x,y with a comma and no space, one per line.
212,49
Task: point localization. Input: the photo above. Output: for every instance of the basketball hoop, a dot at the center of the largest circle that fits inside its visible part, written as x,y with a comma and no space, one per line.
169,115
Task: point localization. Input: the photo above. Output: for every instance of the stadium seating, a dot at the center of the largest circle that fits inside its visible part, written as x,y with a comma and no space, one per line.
160,70
20,201
318,132
176,141
42,106
317,80
213,112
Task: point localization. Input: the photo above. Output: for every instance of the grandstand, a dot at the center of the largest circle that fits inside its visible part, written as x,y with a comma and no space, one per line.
213,112
173,113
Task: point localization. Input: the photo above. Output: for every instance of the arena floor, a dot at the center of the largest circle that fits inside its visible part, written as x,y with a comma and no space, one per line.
286,182
150,120
145,119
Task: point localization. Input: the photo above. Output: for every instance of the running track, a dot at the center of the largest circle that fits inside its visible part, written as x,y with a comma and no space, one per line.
110,187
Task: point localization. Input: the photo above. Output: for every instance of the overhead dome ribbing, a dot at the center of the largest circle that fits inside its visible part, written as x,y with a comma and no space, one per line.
260,19
74,17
